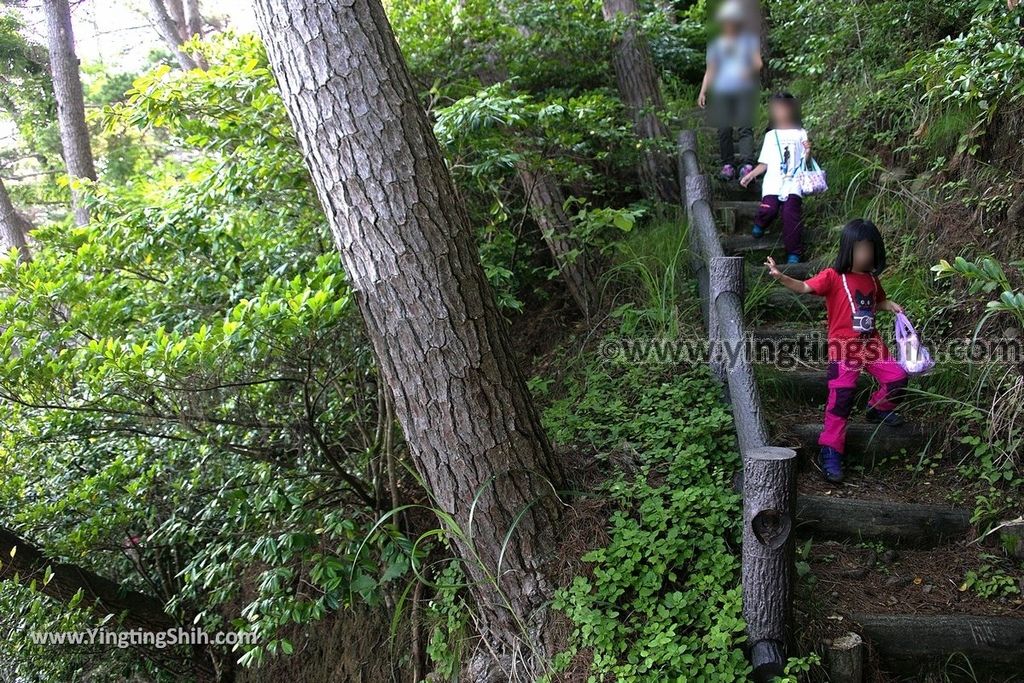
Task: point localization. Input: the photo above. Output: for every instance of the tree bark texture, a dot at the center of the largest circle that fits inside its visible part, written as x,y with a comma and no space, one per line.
410,254
579,269
13,226
67,89
640,90
769,483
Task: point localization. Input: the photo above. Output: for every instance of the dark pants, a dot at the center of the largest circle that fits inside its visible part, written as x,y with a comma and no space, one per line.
731,111
792,220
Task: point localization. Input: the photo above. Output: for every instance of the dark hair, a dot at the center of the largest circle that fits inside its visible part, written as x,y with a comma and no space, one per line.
794,108
859,230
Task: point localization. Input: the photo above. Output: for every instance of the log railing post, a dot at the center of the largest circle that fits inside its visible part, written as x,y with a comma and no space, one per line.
725,277
768,478
732,357
688,164
768,518
703,239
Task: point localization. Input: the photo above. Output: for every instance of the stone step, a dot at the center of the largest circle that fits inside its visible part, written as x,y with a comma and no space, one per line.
917,645
866,443
907,524
789,300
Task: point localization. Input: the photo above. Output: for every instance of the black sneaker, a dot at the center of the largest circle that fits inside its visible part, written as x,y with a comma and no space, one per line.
830,462
889,418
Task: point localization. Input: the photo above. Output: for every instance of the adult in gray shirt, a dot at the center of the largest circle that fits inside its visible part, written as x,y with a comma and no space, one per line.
733,65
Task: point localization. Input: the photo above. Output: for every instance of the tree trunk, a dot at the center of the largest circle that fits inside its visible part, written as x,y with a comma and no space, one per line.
641,93
28,563
171,33
13,226
193,19
544,196
67,88
578,268
409,251
667,8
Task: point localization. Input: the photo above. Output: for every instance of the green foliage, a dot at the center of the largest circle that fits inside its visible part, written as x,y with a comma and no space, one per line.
981,69
661,599
989,581
189,369
448,617
987,276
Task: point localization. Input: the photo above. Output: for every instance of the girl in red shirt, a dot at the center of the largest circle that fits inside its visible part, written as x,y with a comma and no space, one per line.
853,295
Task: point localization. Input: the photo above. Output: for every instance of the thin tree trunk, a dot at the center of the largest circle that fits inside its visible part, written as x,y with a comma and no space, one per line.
24,562
667,8
409,251
193,19
578,268
544,196
13,226
194,28
641,93
176,10
67,88
169,31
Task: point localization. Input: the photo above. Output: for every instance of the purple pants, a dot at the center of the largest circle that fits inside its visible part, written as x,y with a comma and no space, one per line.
792,219
842,385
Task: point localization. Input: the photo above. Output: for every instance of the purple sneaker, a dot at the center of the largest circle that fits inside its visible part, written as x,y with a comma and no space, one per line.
745,169
830,462
727,173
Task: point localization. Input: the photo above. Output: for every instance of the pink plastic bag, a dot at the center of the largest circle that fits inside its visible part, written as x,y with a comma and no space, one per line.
913,356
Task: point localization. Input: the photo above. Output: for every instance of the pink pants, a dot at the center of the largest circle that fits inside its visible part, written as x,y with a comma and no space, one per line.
842,385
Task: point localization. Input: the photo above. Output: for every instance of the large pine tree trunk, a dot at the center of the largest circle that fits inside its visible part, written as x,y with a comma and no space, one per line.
13,226
640,90
67,88
410,254
578,268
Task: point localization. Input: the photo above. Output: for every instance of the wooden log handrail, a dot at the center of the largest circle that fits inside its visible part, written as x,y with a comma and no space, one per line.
768,478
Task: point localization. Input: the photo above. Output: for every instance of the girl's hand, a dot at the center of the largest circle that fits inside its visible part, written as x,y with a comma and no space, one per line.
895,307
702,99
747,179
773,269
807,146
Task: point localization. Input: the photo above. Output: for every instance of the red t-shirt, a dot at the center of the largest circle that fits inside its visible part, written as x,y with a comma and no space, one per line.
865,293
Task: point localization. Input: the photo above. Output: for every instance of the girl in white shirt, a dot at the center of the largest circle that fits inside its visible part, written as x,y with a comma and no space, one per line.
784,151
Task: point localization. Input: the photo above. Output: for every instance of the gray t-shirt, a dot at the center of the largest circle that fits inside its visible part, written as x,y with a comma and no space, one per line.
733,59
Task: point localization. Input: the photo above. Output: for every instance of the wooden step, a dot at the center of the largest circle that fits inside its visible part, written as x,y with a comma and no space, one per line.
733,192
757,272
867,444
908,524
779,333
916,644
750,246
755,249
805,386
789,300
745,208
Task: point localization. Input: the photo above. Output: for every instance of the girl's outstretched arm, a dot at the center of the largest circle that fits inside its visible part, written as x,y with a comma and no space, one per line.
790,283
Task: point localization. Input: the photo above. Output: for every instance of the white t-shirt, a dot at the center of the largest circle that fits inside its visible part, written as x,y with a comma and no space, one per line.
783,153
